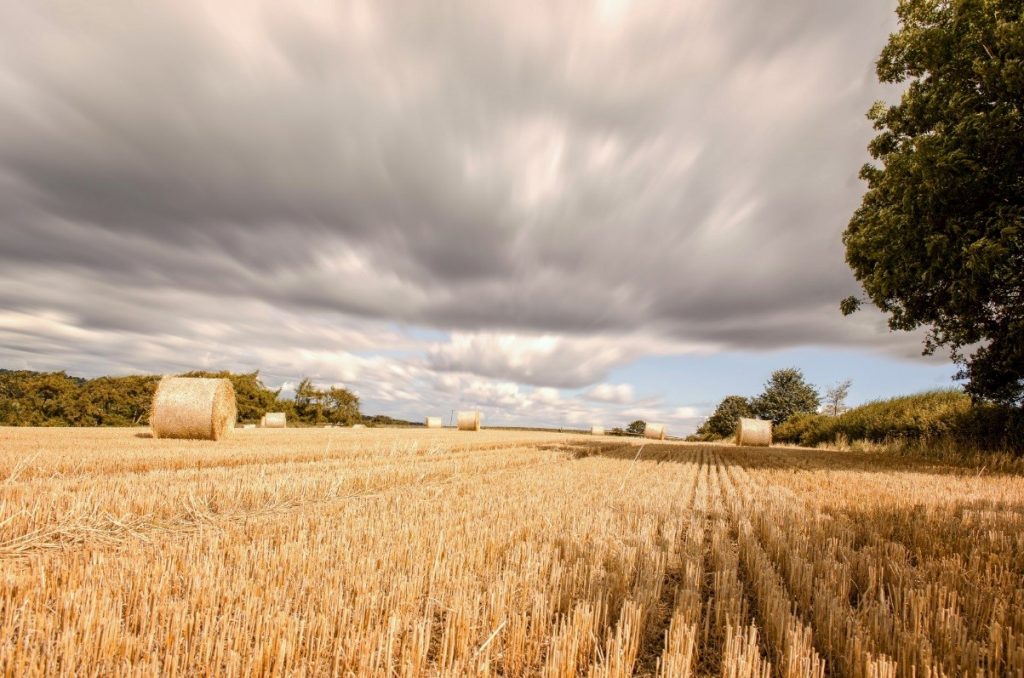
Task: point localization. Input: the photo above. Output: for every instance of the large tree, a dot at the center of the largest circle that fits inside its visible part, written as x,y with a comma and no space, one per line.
342,406
938,240
722,422
638,427
786,393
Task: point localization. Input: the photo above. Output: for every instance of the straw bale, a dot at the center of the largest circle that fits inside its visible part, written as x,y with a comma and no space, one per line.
754,432
188,407
275,420
469,420
655,431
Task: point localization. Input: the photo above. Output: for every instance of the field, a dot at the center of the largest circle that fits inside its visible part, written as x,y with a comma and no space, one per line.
438,553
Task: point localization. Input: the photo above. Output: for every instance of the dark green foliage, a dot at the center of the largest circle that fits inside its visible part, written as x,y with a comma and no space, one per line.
785,394
806,428
930,415
113,401
722,423
334,405
56,399
309,402
37,398
637,427
384,420
341,406
938,240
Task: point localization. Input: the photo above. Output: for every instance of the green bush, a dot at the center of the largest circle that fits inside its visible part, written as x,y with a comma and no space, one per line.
804,428
923,415
942,414
722,423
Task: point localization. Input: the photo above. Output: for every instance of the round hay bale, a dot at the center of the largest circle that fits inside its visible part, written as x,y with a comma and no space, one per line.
248,425
754,432
275,420
195,408
358,425
263,421
434,422
597,430
655,431
469,420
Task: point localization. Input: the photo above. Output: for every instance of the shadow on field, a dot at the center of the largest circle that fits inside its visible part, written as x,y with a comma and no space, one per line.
796,459
145,434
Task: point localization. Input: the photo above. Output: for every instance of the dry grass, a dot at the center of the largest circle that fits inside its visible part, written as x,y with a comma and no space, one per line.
439,553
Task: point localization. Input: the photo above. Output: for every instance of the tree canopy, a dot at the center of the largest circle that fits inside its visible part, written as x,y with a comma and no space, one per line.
334,405
938,240
786,393
722,422
56,399
638,427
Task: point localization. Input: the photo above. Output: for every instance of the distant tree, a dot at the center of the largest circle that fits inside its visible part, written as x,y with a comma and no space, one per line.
835,398
55,399
938,240
785,394
722,422
114,401
341,406
638,427
37,398
309,402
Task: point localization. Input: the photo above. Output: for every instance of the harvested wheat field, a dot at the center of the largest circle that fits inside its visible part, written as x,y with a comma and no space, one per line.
439,553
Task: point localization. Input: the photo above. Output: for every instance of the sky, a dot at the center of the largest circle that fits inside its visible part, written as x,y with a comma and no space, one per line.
562,214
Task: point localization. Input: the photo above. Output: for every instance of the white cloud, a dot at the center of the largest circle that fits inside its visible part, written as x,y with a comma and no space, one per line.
686,413
546,359
610,393
559,191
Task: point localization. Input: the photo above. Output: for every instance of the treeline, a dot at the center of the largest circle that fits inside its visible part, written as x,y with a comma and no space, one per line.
935,415
57,399
786,394
802,416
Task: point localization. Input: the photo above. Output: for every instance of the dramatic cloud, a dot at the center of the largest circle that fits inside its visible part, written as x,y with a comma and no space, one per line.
549,360
548,193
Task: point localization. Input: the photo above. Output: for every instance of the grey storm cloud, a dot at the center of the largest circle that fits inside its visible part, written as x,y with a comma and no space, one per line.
589,169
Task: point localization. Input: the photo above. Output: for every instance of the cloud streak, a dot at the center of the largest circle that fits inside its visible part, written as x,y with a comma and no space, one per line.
554,193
